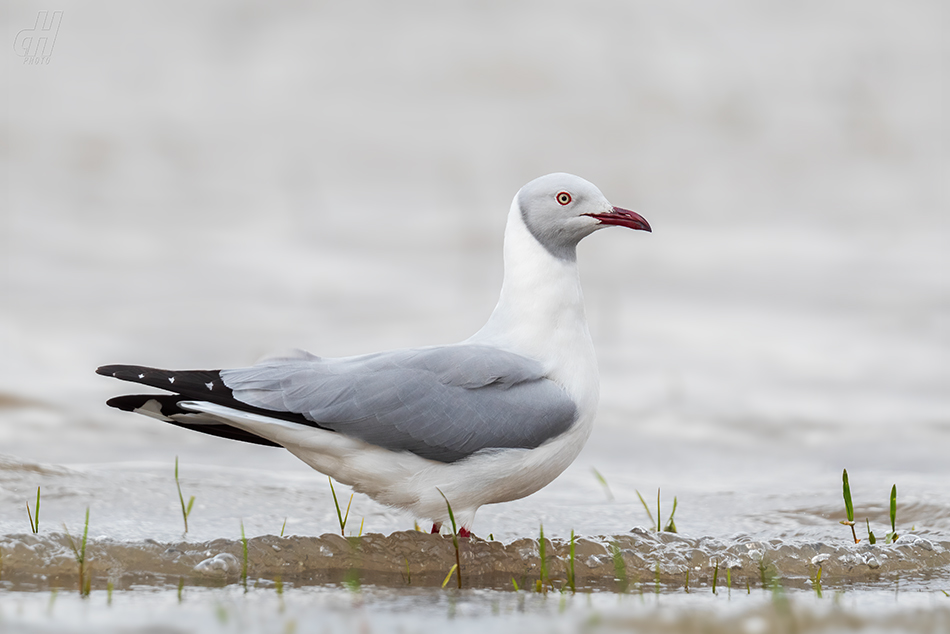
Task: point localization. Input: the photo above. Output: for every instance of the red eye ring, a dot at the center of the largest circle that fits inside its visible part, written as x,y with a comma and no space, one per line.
563,198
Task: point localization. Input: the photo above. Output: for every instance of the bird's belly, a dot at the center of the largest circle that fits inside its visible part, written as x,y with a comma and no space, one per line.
404,480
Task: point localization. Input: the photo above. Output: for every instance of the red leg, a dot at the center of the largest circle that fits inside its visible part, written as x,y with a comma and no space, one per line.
464,533
436,527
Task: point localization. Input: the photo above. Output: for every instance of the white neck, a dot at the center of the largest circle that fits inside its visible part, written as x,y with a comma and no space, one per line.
540,313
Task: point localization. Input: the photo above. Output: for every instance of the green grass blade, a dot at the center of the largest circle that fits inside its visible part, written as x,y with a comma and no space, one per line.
570,564
846,489
603,483
620,567
37,510
893,508
244,560
455,540
185,509
283,527
85,534
670,524
336,503
646,508
658,516
451,514
346,515
871,538
449,576
79,552
72,543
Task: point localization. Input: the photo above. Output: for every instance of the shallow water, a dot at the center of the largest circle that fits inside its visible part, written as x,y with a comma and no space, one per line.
370,609
258,177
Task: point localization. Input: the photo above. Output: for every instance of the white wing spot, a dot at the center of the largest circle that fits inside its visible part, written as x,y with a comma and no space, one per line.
171,379
210,385
141,376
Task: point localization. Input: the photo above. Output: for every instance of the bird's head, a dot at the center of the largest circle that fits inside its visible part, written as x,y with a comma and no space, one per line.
561,209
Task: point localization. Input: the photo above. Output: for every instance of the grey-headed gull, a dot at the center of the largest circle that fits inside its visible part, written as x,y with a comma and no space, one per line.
491,419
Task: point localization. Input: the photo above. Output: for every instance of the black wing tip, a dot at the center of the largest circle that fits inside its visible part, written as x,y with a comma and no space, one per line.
128,403
120,370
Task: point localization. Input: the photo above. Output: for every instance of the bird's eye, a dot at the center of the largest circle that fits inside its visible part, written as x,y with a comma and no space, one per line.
564,198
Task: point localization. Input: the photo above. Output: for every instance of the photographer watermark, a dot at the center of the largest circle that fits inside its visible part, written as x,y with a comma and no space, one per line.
35,45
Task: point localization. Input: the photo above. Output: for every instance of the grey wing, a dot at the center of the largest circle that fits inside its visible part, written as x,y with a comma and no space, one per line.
441,403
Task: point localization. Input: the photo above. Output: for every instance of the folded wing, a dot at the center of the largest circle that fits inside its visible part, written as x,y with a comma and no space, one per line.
441,403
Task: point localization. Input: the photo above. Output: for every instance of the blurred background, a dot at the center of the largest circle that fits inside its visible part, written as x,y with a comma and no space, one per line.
200,185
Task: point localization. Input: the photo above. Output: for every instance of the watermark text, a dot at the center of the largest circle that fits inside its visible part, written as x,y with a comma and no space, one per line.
35,45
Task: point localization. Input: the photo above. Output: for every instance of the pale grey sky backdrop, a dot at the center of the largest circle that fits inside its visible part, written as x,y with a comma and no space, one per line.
200,184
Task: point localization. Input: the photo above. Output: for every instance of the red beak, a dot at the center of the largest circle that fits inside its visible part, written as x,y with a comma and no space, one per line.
623,218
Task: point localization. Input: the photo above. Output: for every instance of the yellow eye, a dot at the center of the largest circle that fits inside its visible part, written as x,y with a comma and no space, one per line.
564,198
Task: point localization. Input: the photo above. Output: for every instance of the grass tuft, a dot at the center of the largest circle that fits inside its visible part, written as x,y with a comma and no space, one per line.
767,573
848,505
340,516
816,582
544,564
455,540
79,551
892,536
620,567
670,524
185,508
647,509
34,525
570,565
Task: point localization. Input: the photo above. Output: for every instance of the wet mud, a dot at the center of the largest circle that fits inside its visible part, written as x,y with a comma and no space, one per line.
628,562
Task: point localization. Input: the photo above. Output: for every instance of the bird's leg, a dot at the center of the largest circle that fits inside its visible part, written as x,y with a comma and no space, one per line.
464,533
436,527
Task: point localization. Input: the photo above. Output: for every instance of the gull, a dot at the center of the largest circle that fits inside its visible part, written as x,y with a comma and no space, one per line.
491,419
